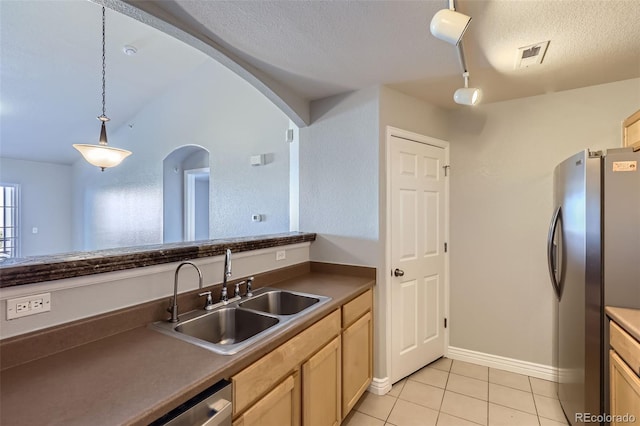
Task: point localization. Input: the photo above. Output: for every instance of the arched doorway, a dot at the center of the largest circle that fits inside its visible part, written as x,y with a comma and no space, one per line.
185,198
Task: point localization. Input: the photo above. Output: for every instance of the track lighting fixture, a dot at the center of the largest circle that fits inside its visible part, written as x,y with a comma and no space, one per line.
449,25
467,95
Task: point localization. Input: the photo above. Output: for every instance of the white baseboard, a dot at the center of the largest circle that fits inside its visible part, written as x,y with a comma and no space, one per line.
532,369
379,386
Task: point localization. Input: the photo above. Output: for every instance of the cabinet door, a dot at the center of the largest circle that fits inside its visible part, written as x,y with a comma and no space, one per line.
280,407
624,391
631,131
357,361
321,387
263,375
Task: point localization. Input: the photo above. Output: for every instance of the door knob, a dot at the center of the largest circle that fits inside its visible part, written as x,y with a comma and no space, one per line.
398,272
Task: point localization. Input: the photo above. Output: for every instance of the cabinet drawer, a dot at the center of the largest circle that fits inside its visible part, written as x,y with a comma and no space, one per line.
261,376
280,407
356,308
625,345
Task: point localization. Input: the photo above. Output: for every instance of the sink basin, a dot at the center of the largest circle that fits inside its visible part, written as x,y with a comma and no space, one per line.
227,326
280,302
243,322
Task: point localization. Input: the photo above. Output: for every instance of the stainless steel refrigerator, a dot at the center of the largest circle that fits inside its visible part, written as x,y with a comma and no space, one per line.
594,260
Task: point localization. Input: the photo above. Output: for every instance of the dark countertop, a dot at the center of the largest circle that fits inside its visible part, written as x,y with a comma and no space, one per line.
627,318
136,376
36,269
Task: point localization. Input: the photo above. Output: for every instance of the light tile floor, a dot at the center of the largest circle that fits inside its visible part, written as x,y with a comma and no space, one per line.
457,393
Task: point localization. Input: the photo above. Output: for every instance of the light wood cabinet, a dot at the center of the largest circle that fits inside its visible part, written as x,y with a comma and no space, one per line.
357,350
280,407
260,377
321,387
312,359
315,378
624,391
631,131
624,380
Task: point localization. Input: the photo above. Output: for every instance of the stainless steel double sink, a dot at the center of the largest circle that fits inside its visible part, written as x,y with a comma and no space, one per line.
235,326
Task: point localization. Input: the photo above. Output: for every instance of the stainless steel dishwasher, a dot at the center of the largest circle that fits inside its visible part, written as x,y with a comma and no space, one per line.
211,407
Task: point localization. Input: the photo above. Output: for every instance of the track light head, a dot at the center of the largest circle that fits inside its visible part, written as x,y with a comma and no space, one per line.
449,25
467,96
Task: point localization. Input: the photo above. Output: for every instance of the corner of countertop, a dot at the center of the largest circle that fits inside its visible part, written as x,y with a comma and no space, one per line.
627,318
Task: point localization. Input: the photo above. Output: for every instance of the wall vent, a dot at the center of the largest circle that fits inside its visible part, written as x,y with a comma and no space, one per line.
531,55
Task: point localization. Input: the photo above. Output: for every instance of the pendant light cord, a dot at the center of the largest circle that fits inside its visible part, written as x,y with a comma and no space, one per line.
103,117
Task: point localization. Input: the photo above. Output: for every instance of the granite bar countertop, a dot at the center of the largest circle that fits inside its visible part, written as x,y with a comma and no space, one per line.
136,376
36,269
627,318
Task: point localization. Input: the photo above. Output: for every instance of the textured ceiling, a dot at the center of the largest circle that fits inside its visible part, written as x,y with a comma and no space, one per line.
320,48
50,75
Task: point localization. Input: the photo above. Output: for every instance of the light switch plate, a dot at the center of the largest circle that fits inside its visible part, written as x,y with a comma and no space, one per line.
256,160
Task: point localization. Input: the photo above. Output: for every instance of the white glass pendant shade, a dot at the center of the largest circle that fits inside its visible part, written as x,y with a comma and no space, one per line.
102,155
467,96
449,25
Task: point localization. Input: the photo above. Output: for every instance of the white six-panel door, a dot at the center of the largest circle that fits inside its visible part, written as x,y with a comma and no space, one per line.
418,206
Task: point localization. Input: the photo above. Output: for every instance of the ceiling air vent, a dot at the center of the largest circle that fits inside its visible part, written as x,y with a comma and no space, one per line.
531,55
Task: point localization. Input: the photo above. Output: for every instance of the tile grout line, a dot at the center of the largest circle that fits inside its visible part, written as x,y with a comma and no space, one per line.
444,391
534,401
394,404
488,396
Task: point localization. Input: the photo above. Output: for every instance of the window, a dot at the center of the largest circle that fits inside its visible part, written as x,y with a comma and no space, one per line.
9,220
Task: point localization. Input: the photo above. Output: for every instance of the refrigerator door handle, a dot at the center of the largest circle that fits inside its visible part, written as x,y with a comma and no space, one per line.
552,251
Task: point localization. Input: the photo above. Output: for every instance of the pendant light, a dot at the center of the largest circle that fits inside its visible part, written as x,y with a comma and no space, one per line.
102,155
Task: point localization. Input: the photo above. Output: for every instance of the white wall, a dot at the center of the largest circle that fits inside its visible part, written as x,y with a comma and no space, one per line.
502,157
339,178
45,201
212,108
343,186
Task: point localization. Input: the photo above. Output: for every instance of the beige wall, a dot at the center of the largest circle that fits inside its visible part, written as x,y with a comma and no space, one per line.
502,157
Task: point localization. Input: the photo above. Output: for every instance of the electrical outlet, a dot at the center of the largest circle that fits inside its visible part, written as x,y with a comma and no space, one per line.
28,305
36,304
281,255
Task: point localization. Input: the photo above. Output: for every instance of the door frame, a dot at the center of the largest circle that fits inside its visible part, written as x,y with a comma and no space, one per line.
189,224
386,273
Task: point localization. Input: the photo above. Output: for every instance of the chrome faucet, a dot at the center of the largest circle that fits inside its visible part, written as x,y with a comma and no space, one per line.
249,285
174,303
227,274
